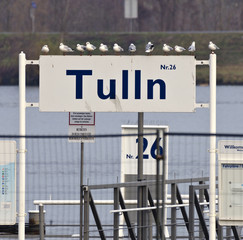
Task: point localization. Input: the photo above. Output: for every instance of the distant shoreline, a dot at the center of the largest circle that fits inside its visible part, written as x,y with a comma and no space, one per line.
229,56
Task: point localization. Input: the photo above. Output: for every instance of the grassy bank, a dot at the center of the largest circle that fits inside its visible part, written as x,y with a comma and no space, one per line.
229,57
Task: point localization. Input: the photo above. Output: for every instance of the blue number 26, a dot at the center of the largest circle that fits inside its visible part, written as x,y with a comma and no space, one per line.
153,150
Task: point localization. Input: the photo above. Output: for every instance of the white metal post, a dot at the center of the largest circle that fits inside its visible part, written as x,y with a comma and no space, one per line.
212,194
22,150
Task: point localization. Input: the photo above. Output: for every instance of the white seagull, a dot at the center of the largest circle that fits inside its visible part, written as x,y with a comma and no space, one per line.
103,48
45,49
192,48
149,47
212,46
80,48
117,48
90,47
132,48
166,48
179,49
65,48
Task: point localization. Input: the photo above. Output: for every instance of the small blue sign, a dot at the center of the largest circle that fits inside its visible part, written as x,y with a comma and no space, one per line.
8,182
33,4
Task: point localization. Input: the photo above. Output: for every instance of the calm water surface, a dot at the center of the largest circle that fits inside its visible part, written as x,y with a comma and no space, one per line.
229,115
53,166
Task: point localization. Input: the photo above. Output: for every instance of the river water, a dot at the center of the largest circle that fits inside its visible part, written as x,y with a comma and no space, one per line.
53,165
229,115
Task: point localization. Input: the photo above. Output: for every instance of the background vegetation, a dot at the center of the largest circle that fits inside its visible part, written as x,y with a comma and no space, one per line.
108,16
229,57
160,21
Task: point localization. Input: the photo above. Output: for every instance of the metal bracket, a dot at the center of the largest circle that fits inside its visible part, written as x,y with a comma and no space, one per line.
32,62
21,215
202,105
213,150
202,62
85,188
21,150
32,104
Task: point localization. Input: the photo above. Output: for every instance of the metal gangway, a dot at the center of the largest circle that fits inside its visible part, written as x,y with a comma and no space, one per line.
187,214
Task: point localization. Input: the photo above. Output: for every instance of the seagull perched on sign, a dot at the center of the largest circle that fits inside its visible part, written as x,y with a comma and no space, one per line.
192,48
166,48
80,48
117,48
149,47
90,47
132,48
103,48
212,46
45,49
179,49
65,48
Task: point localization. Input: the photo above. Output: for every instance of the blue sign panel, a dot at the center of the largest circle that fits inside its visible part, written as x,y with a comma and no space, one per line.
8,182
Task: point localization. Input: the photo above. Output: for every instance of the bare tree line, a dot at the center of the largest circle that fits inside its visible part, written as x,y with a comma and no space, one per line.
108,15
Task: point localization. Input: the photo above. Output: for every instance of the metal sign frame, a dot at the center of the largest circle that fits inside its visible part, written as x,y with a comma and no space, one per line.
22,142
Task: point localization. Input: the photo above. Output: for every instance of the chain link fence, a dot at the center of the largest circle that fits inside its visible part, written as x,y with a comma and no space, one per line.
109,206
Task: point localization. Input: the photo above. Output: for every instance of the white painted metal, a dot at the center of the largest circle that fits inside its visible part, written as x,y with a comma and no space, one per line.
32,104
151,208
22,149
202,62
185,198
32,62
189,105
202,105
212,177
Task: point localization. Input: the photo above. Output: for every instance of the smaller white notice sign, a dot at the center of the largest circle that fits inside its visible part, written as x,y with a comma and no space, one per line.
230,182
81,126
81,118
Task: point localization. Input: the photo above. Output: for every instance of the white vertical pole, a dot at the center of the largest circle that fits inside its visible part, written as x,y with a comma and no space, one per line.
212,182
22,150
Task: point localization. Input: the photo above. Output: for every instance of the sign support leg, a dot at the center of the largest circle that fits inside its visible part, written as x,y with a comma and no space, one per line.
22,150
212,200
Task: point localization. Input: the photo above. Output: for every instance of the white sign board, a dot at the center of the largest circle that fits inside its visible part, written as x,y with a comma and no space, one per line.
129,154
131,9
117,83
8,182
230,156
129,160
81,124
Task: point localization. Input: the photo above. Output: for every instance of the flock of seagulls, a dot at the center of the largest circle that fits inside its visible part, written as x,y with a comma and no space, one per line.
131,49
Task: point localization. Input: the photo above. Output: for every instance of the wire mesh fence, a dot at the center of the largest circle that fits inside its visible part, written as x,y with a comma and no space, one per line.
53,178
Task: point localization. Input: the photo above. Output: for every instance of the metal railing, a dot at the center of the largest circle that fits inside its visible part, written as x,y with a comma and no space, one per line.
191,223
